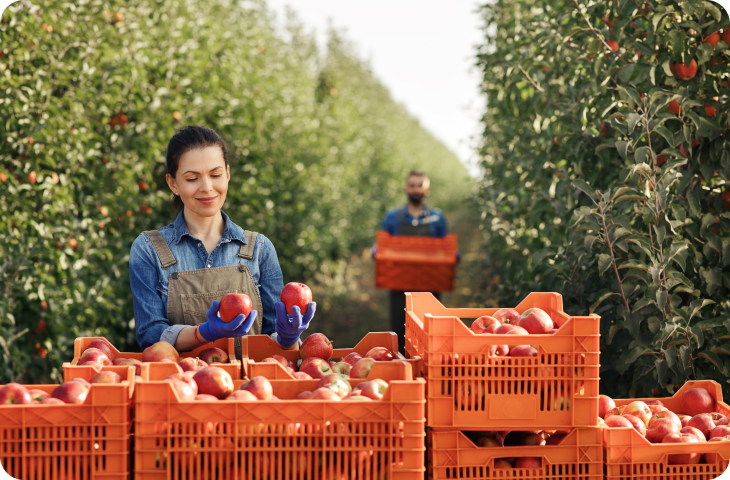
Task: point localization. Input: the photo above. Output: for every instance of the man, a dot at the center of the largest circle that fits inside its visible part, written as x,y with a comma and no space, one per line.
415,219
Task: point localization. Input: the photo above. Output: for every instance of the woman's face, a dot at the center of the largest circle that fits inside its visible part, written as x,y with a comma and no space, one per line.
201,180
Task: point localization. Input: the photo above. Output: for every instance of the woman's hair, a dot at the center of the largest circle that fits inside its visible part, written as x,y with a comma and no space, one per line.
192,137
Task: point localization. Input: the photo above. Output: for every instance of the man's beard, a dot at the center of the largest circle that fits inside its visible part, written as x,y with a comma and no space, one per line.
416,199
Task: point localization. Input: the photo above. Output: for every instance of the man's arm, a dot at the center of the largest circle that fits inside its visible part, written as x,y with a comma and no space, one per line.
390,222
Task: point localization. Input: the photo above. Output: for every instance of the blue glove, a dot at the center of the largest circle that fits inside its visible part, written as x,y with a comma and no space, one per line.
458,256
215,328
290,327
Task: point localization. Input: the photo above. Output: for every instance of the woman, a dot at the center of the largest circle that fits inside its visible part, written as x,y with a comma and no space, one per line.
179,272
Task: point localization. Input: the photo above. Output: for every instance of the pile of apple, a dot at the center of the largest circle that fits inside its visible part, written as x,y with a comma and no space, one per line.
99,353
72,392
507,321
316,354
698,424
517,439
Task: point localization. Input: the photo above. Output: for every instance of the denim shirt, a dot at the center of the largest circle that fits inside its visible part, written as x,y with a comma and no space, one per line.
391,222
149,280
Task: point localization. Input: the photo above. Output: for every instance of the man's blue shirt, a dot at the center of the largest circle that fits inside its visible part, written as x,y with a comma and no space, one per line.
437,225
149,280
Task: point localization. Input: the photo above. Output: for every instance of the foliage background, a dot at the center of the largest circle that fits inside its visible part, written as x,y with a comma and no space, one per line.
595,190
92,91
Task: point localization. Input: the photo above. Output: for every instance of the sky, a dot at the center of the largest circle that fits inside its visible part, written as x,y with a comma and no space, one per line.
422,50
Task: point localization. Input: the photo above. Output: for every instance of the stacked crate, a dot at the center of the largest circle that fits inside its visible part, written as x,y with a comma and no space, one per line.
467,389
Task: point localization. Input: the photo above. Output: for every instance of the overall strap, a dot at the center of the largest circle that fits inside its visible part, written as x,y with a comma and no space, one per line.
247,248
162,248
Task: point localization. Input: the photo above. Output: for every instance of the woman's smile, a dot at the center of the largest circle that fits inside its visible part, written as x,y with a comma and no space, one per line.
207,200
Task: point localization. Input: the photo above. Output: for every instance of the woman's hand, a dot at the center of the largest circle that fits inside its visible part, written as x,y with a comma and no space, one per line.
290,327
215,328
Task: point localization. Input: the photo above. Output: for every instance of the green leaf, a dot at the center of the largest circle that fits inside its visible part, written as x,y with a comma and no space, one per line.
631,93
685,355
671,355
666,66
707,220
632,121
641,155
588,241
704,53
633,264
585,188
713,10
625,73
654,324
636,353
673,152
693,197
612,332
660,234
604,262
661,299
699,305
676,39
707,129
600,300
666,134
699,336
622,147
661,369
712,357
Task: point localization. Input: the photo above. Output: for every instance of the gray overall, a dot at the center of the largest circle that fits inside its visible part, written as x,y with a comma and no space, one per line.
190,293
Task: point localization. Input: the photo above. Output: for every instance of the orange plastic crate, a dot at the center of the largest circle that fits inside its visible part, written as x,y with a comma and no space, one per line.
90,441
415,264
226,344
284,440
257,347
578,457
629,456
468,389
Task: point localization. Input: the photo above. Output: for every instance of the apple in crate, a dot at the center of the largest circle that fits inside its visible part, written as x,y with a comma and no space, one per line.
52,401
485,324
213,355
682,458
102,345
523,351
260,387
704,423
374,389
106,377
529,462
301,376
336,383
498,350
38,395
507,315
15,394
720,431
342,368
214,381
316,367
296,294
242,396
324,393
660,429
94,355
185,379
693,431
640,410
616,421
605,403
637,424
380,354
204,397
160,351
183,389
536,321
71,392
192,364
697,400
668,415
362,368
352,358
316,345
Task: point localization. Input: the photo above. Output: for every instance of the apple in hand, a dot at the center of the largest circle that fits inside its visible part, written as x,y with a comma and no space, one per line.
94,355
697,400
106,377
214,381
605,403
352,358
683,458
507,315
242,396
185,379
260,387
213,354
316,345
37,395
71,392
191,364
362,368
381,354
536,321
15,394
485,324
160,351
660,429
102,345
317,367
296,294
233,305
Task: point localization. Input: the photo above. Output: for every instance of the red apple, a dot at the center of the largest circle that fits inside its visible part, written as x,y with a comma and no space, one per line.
615,421
213,354
82,381
719,418
106,377
352,358
666,414
281,359
15,394
233,305
532,438
242,396
304,396
214,381
301,376
357,397
260,387
697,400
640,410
657,408
693,431
185,379
528,462
702,422
720,431
485,324
336,383
374,389
501,464
499,350
204,397
685,72
316,345
557,438
683,458
516,330
654,402
504,328
488,442
711,458
159,351
684,419
660,429
51,401
362,368
296,294
102,345
536,321
507,315
637,424
605,403
191,364
94,355
133,362
38,395
342,368
184,392
71,392
674,107
380,354
553,331
523,351
324,394
317,368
